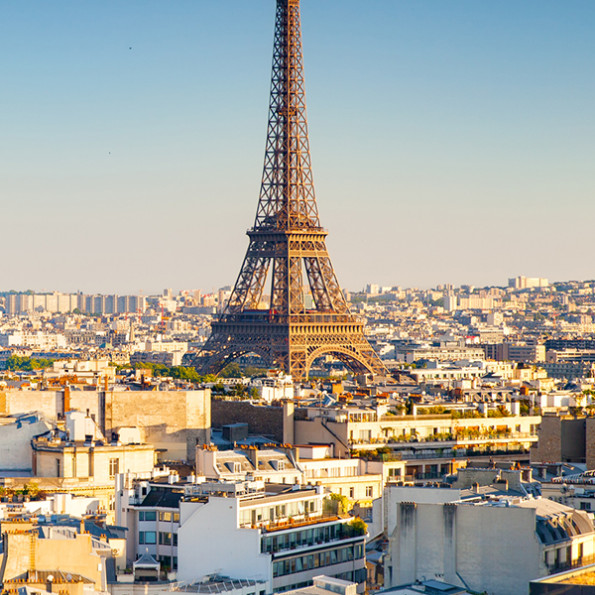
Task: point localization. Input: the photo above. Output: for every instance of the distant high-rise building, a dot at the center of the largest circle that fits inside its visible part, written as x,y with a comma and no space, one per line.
527,282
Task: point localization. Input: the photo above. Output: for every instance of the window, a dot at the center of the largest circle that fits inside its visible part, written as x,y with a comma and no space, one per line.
165,538
147,515
165,516
58,468
176,517
165,561
352,492
369,491
318,560
147,537
114,467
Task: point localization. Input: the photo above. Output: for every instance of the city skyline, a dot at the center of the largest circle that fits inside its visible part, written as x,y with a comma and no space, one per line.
458,138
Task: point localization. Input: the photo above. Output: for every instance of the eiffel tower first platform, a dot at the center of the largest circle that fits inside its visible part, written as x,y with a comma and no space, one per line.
287,247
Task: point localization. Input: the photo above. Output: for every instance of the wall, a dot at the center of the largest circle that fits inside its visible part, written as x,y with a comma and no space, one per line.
445,540
549,446
561,440
172,420
15,443
315,432
68,555
573,440
48,402
590,442
261,420
228,550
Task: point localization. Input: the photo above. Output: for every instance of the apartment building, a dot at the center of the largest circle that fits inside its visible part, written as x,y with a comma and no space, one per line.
359,480
282,535
287,535
520,540
360,427
514,352
446,353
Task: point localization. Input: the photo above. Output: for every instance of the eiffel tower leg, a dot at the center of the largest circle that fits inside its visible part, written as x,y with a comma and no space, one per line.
225,345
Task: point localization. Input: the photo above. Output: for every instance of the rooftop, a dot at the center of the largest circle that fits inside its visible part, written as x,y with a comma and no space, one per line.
215,584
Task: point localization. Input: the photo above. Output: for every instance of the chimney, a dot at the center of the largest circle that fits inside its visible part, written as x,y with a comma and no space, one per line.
66,405
253,456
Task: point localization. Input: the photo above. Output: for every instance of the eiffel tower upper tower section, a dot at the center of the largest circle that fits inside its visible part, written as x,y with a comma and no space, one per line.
287,200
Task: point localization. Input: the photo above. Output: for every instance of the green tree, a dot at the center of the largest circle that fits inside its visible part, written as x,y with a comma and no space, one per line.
340,503
358,526
27,364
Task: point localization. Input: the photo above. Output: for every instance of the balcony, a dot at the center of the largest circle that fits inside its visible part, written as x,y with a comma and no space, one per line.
295,522
577,563
310,535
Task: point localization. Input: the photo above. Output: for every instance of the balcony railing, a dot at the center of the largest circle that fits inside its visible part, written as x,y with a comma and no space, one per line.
569,565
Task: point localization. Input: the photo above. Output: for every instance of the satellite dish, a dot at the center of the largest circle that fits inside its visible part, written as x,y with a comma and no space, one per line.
69,577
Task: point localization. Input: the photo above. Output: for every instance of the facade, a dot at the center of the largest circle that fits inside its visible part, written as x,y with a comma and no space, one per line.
166,358
287,536
174,421
514,352
569,369
349,428
274,465
151,512
98,462
565,438
16,433
79,458
522,282
61,303
441,353
277,534
75,561
519,540
352,478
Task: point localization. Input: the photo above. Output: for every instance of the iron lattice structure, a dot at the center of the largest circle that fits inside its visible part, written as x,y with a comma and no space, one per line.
287,246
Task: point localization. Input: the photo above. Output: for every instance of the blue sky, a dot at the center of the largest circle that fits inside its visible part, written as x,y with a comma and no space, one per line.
452,141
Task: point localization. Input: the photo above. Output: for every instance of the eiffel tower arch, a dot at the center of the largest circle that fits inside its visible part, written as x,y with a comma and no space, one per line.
287,247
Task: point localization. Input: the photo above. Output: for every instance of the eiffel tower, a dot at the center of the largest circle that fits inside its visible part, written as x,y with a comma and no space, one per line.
287,246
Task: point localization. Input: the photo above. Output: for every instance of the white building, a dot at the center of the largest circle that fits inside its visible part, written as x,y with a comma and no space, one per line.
285,536
274,387
16,433
496,545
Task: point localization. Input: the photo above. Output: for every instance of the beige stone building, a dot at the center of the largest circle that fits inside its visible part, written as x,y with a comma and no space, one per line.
565,438
173,421
349,428
81,456
98,463
65,563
